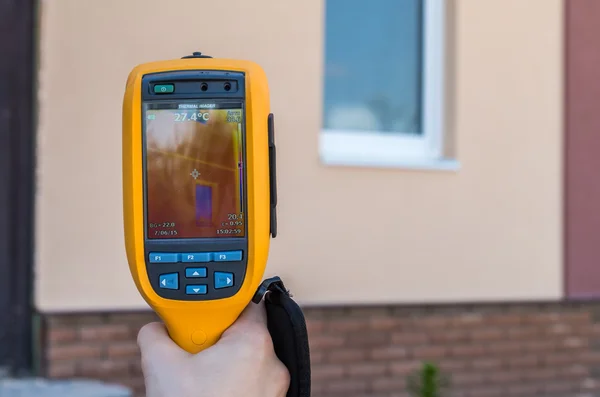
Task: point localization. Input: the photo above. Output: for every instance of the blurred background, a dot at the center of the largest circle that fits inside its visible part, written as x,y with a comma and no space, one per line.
439,198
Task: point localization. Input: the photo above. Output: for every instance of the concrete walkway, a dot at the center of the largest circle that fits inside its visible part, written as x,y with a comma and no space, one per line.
62,388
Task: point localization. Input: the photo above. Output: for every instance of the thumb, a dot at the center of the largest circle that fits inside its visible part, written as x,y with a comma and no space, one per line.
156,347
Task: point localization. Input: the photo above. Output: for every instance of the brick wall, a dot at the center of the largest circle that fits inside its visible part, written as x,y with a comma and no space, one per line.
487,350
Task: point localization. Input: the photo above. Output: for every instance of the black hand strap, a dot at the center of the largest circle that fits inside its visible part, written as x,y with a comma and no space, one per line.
287,327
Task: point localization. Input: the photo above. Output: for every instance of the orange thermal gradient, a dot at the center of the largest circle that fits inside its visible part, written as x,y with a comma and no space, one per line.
193,174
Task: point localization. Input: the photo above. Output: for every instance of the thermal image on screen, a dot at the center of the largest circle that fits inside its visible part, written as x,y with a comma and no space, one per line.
194,170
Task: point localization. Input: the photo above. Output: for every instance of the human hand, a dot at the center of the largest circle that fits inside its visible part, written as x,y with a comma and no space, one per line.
242,362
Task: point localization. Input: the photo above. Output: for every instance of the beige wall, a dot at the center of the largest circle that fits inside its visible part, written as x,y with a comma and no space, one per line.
490,231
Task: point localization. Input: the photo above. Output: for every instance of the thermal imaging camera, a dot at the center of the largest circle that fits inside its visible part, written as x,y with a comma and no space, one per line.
199,190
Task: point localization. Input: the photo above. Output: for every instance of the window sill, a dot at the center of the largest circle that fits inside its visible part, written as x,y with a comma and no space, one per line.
416,164
371,149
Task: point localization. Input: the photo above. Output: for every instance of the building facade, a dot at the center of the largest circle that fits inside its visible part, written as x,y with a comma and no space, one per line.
438,196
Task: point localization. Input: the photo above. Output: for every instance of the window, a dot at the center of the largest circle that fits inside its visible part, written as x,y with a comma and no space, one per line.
383,85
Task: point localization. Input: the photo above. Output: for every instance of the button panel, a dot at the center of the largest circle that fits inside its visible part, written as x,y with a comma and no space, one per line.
196,275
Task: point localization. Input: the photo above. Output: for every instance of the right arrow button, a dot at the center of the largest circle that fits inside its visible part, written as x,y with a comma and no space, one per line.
223,280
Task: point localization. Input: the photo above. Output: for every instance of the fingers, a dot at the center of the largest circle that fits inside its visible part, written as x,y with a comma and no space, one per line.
155,343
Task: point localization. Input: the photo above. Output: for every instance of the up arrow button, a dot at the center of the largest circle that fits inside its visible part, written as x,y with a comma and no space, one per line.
195,272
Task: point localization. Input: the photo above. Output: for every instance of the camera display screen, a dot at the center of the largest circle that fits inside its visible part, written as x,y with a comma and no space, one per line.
194,169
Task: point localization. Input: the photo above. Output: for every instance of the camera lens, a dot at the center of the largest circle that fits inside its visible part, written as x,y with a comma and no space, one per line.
204,86
227,86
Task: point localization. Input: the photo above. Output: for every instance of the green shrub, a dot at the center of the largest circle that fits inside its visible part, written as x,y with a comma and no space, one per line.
427,382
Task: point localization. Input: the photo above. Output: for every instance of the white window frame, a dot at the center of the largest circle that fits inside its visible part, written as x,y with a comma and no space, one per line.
373,148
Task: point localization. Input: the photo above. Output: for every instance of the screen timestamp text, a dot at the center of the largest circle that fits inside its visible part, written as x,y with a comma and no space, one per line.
229,231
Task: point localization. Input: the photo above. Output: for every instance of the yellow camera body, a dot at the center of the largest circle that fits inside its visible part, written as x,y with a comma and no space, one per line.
199,191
